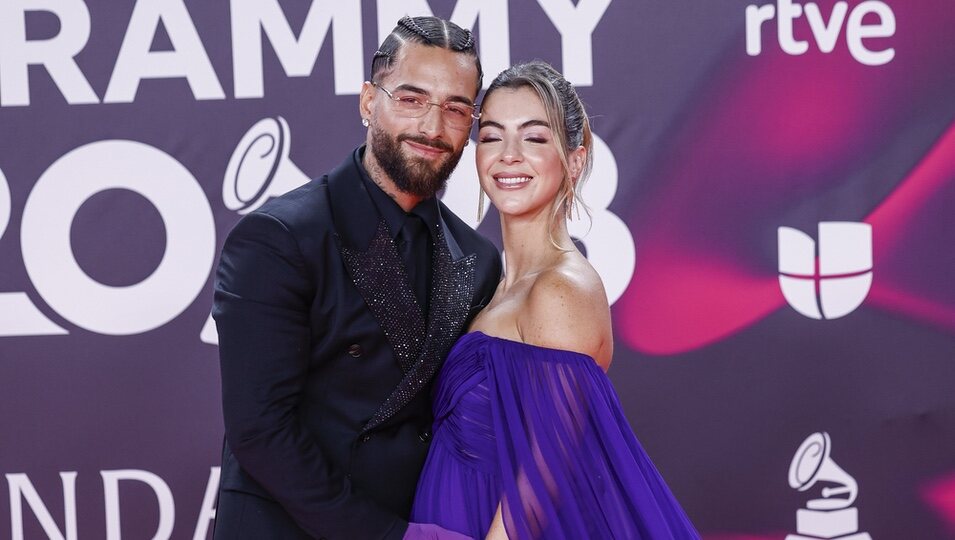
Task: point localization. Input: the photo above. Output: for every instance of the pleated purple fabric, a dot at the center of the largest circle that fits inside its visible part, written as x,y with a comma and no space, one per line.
541,432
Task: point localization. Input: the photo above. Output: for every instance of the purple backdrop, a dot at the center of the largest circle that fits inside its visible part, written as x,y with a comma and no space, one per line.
771,214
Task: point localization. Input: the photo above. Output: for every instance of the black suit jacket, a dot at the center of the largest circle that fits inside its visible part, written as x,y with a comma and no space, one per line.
327,361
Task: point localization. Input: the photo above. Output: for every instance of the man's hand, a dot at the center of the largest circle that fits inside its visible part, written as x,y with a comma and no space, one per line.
428,531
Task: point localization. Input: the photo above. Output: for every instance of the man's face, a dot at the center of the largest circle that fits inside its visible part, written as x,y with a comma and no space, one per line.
419,154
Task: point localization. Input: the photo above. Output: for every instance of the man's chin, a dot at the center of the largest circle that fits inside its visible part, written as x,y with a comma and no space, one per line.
426,169
427,182
420,162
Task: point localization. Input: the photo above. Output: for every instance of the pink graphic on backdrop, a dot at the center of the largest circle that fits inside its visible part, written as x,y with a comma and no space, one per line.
893,218
784,131
940,496
727,298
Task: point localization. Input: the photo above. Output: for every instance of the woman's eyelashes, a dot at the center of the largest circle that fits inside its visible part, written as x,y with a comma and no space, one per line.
534,138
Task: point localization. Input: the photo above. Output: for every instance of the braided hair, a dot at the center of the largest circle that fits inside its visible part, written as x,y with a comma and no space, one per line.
430,31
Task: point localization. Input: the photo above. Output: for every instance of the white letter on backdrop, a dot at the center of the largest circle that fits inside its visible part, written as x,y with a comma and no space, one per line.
187,59
297,55
856,31
576,25
755,17
208,511
45,237
20,485
54,54
167,508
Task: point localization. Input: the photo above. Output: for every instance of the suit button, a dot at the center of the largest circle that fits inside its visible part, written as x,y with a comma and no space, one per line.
425,436
354,350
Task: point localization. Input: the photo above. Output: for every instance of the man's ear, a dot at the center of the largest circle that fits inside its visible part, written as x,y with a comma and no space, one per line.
365,98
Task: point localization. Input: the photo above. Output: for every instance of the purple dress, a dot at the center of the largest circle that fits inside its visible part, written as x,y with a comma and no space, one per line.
541,432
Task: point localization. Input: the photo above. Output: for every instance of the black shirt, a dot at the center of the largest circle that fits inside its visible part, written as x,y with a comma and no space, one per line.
408,231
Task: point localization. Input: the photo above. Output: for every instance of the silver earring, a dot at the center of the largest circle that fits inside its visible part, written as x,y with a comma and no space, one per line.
364,122
480,214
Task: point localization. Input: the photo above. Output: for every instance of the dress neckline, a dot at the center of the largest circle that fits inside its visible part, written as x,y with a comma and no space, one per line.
479,333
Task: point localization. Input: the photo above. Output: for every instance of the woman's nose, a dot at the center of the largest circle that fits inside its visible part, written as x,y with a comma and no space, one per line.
512,152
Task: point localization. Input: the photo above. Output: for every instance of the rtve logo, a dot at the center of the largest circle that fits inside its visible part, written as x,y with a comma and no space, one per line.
825,32
834,283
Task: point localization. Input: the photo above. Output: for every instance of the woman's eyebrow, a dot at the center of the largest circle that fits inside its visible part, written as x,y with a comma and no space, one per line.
529,123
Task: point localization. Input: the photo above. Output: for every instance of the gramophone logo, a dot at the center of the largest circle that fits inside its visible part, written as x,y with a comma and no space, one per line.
830,515
260,167
832,283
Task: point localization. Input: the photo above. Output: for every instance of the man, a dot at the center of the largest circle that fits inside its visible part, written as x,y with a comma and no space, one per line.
337,303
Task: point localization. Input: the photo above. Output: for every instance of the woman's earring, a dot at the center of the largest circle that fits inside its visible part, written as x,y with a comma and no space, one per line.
364,122
480,214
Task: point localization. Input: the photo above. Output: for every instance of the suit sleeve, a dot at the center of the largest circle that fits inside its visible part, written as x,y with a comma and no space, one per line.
263,295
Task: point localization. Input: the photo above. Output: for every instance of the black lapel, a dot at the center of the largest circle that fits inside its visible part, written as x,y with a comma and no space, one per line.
452,286
353,211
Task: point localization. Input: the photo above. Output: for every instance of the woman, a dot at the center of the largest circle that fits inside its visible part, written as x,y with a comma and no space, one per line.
529,438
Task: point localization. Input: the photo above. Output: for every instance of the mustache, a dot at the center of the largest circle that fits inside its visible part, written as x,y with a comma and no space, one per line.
424,141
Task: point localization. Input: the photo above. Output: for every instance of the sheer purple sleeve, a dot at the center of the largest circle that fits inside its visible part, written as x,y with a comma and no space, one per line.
571,466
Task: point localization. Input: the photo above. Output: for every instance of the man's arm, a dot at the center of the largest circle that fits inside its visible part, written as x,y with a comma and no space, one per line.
262,299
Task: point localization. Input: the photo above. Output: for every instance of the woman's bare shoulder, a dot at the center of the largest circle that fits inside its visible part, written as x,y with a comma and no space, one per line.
566,308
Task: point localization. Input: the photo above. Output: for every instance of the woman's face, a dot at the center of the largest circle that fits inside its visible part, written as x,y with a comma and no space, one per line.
517,158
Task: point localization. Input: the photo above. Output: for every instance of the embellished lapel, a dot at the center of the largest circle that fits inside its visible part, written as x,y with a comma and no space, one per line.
375,266
373,262
452,286
381,278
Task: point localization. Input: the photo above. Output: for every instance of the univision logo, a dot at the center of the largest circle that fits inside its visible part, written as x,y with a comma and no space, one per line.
833,282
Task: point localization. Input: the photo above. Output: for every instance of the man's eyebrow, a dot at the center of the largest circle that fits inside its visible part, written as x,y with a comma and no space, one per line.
416,90
411,88
529,123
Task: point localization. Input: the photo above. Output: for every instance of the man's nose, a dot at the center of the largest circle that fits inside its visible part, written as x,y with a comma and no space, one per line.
431,124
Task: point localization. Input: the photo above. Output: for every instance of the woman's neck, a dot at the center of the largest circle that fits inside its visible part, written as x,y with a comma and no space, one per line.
529,244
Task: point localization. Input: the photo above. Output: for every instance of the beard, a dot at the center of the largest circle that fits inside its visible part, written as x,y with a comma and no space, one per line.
412,175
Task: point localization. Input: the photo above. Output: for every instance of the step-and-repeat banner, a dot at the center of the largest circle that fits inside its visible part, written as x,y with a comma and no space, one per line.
773,214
